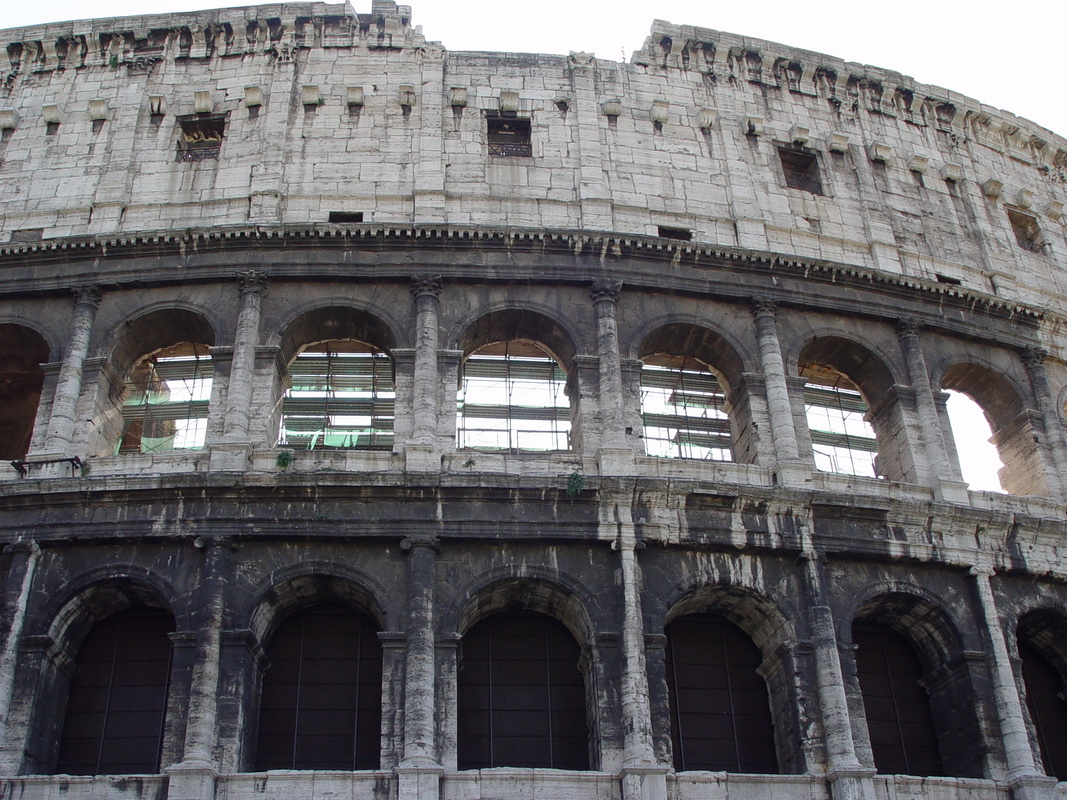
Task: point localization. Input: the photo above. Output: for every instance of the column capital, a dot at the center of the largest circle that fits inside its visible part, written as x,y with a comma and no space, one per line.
981,571
87,295
422,285
908,327
22,546
605,290
409,543
763,307
252,282
1034,357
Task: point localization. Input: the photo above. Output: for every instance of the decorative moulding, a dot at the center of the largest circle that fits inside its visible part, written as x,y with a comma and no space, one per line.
659,112
709,118
202,102
1053,210
879,152
309,95
98,109
509,101
837,142
798,134
992,188
918,163
253,96
407,95
157,104
612,108
355,96
9,118
752,126
50,113
457,96
951,172
1024,198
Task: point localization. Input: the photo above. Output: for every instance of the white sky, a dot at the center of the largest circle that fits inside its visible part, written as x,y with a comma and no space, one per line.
1005,55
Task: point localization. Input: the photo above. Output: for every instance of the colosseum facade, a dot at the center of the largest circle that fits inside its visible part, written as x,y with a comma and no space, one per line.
381,421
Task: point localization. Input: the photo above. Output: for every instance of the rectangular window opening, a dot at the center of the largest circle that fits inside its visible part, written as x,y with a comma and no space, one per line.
946,279
801,170
346,216
508,136
1027,231
682,234
200,137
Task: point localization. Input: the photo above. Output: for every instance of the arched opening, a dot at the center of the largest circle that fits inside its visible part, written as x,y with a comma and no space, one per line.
687,409
166,400
116,706
1042,643
1016,441
22,351
719,710
979,460
899,722
341,395
847,436
513,396
521,695
321,700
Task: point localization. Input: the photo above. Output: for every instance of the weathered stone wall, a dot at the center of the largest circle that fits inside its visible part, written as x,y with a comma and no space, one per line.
114,249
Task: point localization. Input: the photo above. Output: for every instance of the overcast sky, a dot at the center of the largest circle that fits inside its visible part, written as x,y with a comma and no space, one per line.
1005,55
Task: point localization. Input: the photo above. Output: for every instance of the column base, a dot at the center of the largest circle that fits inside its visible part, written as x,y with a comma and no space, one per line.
230,456
422,458
1033,787
191,780
951,492
418,782
615,461
851,784
643,783
796,474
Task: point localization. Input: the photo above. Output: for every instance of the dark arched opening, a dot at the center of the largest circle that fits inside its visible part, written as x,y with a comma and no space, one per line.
521,695
321,700
22,351
116,707
720,715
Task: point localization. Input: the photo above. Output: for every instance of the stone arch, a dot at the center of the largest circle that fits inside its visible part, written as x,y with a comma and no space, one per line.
1007,410
839,365
517,587
23,349
155,328
92,597
691,335
771,632
949,673
518,322
313,583
325,321
1040,650
682,406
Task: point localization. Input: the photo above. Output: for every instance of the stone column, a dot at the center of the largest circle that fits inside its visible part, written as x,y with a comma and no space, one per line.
847,776
233,452
1034,361
642,777
613,444
194,777
25,556
789,466
942,473
419,772
1027,781
422,453
68,386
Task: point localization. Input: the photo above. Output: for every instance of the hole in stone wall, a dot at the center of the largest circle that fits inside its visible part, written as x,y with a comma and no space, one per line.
1027,231
842,439
979,460
801,169
684,410
508,136
681,234
346,216
200,137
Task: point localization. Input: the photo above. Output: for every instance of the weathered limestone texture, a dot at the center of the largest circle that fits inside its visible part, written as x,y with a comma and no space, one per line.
447,410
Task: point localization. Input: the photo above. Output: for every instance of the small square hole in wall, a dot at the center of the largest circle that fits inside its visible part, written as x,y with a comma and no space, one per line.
346,216
200,137
51,129
98,125
508,136
801,169
946,279
1027,231
674,233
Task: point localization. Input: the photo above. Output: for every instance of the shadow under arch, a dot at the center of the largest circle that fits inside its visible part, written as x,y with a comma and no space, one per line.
23,350
948,674
1009,419
154,330
522,588
312,583
518,323
334,321
1040,644
706,345
750,610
